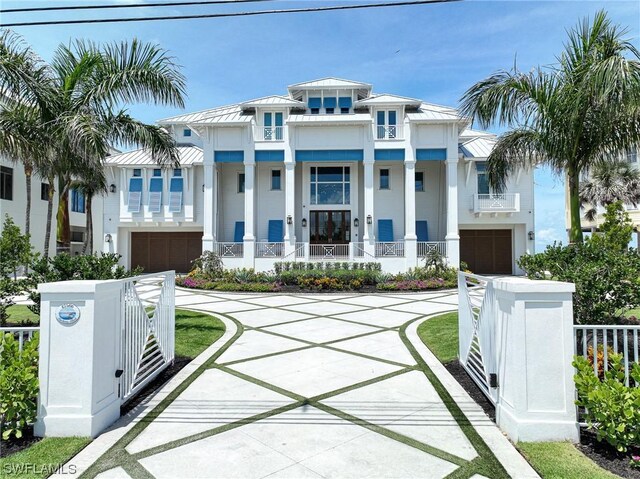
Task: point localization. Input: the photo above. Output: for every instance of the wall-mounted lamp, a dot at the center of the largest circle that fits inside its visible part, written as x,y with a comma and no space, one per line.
107,238
203,188
356,222
369,220
289,220
112,188
304,222
531,235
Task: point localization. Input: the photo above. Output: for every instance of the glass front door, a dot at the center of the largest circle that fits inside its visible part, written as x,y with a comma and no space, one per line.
330,227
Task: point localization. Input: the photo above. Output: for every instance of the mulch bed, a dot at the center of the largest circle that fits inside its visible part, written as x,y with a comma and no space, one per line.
599,452
14,445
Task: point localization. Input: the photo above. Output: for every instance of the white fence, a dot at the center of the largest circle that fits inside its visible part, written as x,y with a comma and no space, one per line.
426,247
148,329
21,334
476,317
598,342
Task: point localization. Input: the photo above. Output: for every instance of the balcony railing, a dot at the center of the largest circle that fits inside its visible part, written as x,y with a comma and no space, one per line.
269,133
496,203
426,247
269,250
389,132
229,250
386,249
329,251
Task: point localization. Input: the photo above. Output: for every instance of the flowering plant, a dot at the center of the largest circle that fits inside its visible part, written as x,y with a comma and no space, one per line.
635,461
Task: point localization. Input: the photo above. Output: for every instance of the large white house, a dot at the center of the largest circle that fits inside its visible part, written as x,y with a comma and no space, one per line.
327,171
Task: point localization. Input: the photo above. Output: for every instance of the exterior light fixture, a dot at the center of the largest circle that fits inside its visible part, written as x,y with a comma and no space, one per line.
304,222
356,222
107,238
289,220
112,188
203,188
531,235
369,220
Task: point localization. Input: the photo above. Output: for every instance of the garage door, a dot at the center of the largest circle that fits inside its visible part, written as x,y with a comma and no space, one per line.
165,251
487,251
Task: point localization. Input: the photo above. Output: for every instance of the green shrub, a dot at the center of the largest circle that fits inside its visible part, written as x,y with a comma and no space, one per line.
342,276
324,266
612,408
208,264
245,287
16,251
18,385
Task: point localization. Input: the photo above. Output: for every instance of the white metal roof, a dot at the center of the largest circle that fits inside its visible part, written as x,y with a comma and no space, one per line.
388,99
470,133
236,116
275,100
189,155
432,112
333,119
199,115
479,147
329,82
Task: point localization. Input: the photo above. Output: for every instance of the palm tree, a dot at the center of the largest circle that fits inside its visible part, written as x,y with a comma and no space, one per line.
78,106
91,183
581,111
610,182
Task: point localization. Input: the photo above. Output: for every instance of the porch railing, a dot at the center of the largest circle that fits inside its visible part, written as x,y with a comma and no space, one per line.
269,133
388,132
426,247
300,250
385,249
329,252
269,250
229,250
496,203
598,342
21,334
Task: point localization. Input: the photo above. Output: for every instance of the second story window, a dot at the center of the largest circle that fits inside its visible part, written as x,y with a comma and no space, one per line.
155,191
344,102
137,172
44,191
419,180
77,201
314,105
483,180
6,183
276,183
273,126
330,104
186,132
384,179
157,172
386,122
177,172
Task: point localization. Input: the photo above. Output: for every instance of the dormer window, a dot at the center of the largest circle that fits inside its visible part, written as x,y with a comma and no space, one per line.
387,124
315,103
344,102
272,126
330,104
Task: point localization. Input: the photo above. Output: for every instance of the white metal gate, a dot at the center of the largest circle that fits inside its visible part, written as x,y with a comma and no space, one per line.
148,329
477,325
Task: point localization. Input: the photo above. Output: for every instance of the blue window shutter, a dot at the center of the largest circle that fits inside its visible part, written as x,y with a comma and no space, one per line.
344,102
155,195
385,231
315,102
392,117
431,154
330,102
278,119
135,194
381,118
276,231
238,234
422,231
267,119
176,187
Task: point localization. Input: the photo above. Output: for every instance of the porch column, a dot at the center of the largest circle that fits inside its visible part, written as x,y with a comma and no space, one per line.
452,238
249,237
208,237
290,207
410,238
369,236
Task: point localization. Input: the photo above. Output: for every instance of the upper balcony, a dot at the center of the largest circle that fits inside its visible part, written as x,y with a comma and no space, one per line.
495,203
388,132
269,133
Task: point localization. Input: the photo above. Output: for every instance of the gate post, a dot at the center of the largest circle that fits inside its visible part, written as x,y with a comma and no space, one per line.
80,337
535,348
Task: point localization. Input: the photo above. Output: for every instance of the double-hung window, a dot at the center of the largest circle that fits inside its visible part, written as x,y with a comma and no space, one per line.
176,188
155,191
276,180
77,201
483,180
135,191
387,124
330,185
6,183
273,126
385,182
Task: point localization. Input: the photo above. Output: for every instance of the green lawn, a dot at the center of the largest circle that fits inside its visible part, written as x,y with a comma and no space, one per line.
20,314
195,332
552,460
42,458
440,334
633,312
561,460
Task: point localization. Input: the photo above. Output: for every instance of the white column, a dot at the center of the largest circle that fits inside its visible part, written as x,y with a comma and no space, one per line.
208,237
452,238
290,207
369,236
249,237
79,360
410,238
535,386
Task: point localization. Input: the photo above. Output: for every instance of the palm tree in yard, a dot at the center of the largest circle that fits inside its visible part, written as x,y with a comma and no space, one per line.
92,182
582,111
82,115
610,182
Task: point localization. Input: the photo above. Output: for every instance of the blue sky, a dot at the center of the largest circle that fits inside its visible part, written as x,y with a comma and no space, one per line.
434,52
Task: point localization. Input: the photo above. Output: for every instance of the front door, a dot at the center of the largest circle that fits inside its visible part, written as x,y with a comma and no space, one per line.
330,227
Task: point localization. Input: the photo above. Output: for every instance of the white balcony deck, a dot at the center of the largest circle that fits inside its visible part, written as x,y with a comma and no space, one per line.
494,203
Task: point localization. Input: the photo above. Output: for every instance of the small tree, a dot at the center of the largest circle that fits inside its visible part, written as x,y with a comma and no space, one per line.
617,227
15,249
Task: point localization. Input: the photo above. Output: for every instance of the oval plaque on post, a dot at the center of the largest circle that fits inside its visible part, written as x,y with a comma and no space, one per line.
68,314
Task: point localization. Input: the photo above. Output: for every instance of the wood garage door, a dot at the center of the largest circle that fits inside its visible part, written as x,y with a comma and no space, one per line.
487,251
165,251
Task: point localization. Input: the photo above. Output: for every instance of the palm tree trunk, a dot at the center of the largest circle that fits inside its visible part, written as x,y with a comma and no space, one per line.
47,233
28,172
88,242
63,220
575,229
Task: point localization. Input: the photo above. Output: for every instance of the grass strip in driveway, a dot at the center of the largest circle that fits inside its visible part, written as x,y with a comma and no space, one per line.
195,332
440,335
